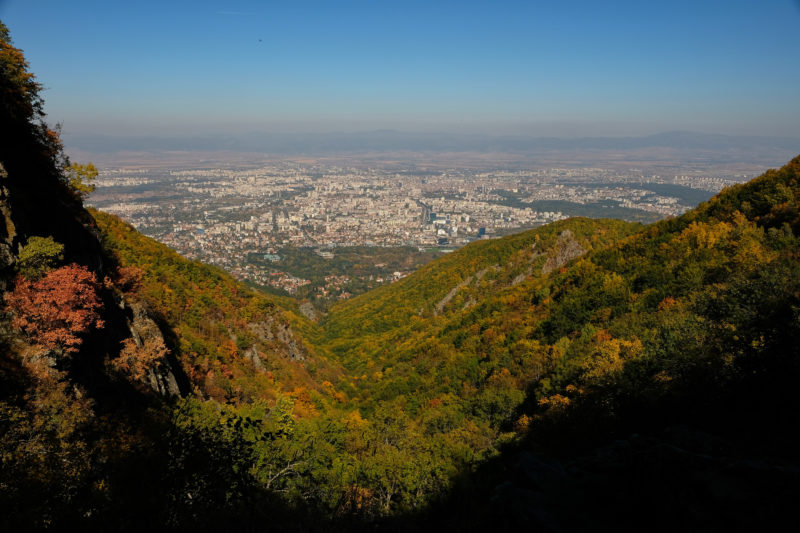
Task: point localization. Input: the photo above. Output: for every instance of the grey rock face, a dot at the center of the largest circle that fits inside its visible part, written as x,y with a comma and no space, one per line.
251,354
565,250
271,330
143,329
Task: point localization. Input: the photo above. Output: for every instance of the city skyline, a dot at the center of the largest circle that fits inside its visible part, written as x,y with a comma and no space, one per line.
574,70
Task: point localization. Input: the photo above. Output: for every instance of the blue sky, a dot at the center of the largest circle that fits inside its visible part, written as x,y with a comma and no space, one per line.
567,68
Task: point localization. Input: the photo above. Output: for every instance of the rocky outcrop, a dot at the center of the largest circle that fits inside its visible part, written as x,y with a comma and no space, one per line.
7,234
287,338
519,278
144,330
565,250
450,295
251,354
272,330
308,310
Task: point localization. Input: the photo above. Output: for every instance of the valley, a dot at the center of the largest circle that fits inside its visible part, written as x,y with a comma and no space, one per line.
304,343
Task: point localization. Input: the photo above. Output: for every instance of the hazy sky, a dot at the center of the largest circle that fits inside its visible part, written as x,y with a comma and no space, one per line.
560,68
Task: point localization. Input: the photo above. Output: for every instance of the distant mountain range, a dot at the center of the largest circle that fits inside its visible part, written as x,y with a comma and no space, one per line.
394,141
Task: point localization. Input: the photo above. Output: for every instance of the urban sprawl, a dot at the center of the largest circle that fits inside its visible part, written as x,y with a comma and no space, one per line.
222,216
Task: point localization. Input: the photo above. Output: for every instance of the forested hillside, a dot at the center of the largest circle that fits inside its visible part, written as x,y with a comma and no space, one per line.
234,344
672,358
585,375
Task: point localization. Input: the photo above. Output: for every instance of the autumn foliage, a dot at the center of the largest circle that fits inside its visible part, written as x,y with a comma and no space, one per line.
409,408
58,310
129,278
135,360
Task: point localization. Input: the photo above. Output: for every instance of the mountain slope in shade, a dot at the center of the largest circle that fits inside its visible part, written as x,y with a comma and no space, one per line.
673,358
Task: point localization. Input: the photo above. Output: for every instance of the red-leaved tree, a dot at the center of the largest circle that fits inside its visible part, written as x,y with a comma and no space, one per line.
59,309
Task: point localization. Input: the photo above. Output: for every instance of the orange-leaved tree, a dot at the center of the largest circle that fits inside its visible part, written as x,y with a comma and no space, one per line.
136,360
59,309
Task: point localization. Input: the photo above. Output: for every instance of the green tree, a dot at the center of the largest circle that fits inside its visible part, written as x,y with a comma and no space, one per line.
39,256
81,178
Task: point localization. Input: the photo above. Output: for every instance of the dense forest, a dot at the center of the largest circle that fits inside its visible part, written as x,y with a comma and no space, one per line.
585,375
